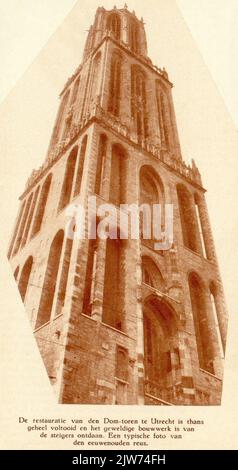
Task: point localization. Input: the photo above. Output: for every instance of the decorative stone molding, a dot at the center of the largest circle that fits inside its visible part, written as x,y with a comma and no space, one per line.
190,172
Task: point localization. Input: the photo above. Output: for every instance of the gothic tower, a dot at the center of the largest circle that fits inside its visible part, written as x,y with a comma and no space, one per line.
117,321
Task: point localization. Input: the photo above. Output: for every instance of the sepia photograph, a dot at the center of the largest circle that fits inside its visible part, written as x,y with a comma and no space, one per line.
120,160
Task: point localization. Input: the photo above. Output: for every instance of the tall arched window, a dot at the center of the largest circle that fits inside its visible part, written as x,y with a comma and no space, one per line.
146,277
30,217
102,148
60,117
160,329
165,120
201,322
41,206
114,25
114,97
24,277
151,274
23,223
18,224
151,193
94,80
164,124
203,225
139,102
188,219
118,175
50,280
61,294
114,285
199,224
68,179
79,174
134,37
151,186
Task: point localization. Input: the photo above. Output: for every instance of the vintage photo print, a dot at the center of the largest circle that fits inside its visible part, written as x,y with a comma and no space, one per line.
119,164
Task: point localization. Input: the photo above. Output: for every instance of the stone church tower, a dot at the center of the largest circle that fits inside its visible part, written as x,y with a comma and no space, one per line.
116,321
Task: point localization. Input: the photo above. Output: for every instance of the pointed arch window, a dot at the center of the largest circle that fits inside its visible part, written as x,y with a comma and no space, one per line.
134,37
160,330
203,227
23,223
146,277
30,217
68,179
151,194
17,226
50,280
115,85
25,277
41,205
79,174
114,25
61,293
94,80
139,102
201,322
188,219
151,274
164,115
